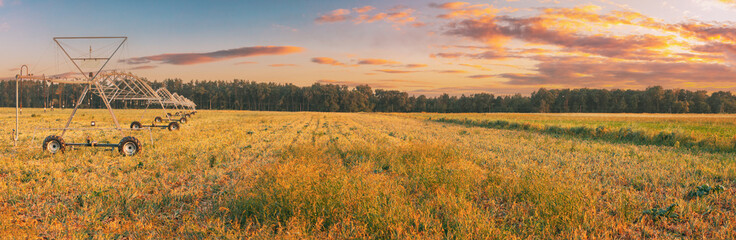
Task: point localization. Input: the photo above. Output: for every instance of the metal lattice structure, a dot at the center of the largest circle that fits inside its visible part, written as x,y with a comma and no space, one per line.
109,86
119,86
177,101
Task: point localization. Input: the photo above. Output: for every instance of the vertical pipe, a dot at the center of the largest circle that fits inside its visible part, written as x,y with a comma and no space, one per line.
15,138
17,107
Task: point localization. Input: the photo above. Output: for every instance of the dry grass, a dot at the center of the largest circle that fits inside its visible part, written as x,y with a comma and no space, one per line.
231,174
711,132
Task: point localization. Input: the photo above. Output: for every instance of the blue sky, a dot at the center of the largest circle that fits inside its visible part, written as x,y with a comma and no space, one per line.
421,51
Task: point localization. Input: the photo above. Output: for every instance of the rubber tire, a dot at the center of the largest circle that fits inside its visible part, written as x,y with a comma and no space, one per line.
173,126
136,125
54,138
127,140
158,119
183,120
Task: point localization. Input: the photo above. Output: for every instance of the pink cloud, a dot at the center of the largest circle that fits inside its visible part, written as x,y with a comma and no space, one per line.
197,58
143,67
452,71
449,5
337,15
375,61
282,65
447,55
574,48
481,76
328,61
364,9
415,65
394,71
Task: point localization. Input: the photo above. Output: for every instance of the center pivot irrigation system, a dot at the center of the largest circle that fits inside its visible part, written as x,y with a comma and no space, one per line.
109,86
128,87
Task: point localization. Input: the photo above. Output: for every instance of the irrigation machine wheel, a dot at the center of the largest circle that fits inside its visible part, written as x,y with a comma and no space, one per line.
187,115
168,114
173,126
158,119
129,146
183,120
136,125
53,144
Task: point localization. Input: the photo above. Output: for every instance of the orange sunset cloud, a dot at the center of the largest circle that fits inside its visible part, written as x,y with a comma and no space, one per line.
336,15
328,61
197,58
394,71
282,65
375,61
588,55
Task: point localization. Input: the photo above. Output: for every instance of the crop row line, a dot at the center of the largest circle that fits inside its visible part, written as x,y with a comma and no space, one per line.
628,135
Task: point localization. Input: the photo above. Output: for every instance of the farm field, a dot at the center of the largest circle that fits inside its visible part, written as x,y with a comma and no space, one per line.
235,174
707,125
708,131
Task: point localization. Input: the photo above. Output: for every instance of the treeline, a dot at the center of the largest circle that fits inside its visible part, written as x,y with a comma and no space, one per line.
247,95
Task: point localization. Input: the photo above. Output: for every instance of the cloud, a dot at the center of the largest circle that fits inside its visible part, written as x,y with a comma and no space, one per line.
337,15
402,16
364,9
394,71
282,65
447,55
415,65
246,62
144,67
375,61
398,16
452,71
582,29
197,58
287,28
731,3
326,60
465,10
581,47
481,76
580,71
479,67
419,24
67,75
497,31
449,5
481,55
370,18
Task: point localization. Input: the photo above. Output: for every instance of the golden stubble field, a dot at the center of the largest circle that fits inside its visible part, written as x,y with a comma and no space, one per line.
230,174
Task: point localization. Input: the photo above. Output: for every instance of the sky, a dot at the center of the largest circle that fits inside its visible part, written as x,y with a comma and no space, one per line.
422,47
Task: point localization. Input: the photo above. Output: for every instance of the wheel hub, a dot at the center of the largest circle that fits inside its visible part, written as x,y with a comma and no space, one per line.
53,146
130,148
